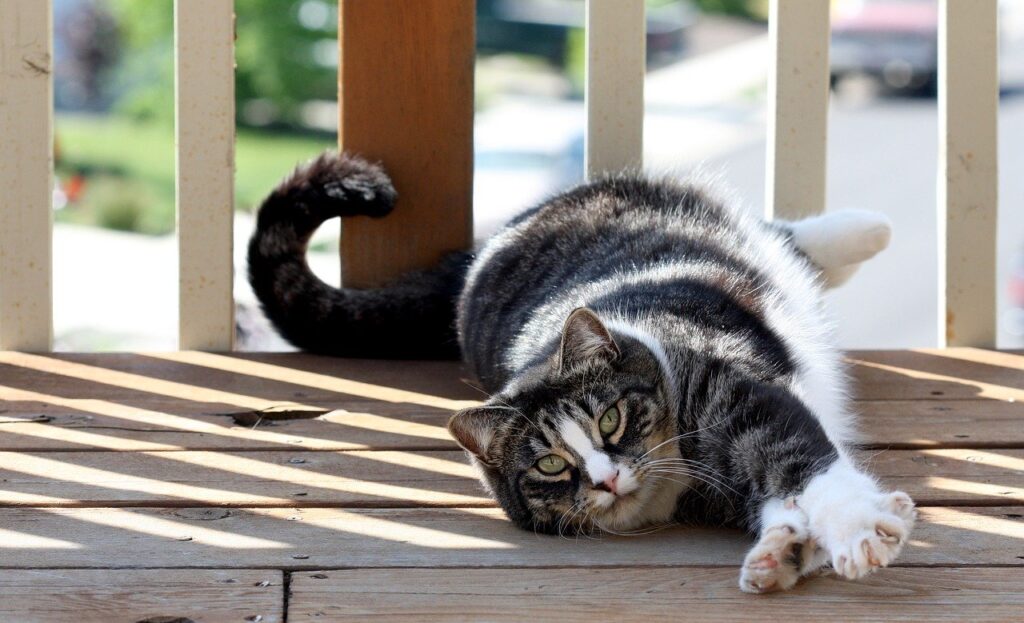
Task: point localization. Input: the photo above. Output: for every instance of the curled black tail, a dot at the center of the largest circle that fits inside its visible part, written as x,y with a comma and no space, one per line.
412,318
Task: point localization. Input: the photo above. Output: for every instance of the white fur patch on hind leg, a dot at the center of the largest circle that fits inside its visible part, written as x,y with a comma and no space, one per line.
839,241
783,553
861,527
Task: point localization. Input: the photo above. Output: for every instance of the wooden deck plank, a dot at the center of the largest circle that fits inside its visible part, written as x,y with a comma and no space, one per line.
941,423
403,479
132,402
322,538
33,425
31,421
214,383
649,594
937,374
349,479
207,382
104,595
952,477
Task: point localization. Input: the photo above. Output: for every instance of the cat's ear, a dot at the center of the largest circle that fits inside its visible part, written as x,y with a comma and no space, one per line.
585,339
476,429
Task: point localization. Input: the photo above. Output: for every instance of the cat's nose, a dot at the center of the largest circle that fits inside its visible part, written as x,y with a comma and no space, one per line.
610,484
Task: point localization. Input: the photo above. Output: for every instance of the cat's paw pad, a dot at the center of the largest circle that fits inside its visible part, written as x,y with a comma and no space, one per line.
901,505
775,561
876,542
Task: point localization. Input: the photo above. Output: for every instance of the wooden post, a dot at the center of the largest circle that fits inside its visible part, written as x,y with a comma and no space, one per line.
798,90
616,52
406,100
968,171
205,121
26,175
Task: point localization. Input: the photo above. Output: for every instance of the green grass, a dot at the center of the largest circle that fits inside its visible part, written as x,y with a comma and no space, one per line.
129,169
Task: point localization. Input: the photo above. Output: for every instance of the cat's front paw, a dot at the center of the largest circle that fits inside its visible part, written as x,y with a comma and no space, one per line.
784,552
774,562
869,534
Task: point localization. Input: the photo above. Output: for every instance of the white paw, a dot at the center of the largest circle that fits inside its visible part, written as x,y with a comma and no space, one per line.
859,527
869,534
784,553
774,562
842,238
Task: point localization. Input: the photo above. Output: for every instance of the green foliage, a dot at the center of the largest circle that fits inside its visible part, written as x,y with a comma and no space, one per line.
145,78
129,169
280,61
283,61
120,204
751,9
576,58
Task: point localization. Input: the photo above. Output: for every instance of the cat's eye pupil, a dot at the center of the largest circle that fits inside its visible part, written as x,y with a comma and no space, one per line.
609,421
552,464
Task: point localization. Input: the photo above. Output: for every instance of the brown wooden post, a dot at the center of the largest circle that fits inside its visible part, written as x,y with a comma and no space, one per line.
406,99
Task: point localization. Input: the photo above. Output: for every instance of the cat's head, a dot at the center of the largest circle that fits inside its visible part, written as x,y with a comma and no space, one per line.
568,446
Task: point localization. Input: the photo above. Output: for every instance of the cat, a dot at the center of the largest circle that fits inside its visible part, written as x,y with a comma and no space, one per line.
652,357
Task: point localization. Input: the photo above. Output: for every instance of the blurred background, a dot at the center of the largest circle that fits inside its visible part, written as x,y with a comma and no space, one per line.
706,113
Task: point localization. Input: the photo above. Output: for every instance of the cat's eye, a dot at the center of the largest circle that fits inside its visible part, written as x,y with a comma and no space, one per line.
552,465
609,422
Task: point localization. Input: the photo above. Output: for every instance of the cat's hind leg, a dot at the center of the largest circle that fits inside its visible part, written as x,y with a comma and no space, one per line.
784,552
839,242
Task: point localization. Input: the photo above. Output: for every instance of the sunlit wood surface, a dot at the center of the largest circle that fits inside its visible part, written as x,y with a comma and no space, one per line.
198,486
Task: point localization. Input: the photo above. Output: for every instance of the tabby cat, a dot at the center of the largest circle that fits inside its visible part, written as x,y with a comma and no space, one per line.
652,358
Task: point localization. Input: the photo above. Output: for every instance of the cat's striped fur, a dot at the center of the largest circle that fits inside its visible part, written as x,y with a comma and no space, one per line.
645,304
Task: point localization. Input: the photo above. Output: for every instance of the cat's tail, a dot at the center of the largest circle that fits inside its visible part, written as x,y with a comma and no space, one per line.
839,242
413,317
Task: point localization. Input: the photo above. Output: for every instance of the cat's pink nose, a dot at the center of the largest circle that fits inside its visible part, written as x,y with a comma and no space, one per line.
610,484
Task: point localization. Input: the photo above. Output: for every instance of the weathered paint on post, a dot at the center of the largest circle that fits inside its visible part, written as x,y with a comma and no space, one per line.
798,92
968,171
205,115
616,43
26,175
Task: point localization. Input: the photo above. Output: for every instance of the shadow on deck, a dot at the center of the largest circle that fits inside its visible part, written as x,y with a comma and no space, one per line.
201,486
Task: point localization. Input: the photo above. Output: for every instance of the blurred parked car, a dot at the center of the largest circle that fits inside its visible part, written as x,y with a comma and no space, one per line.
542,27
896,41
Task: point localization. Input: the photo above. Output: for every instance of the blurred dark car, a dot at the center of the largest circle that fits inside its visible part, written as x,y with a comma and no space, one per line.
893,40
542,27
897,42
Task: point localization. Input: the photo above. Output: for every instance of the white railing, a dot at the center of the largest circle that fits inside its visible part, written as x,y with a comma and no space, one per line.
798,92
204,54
205,110
798,100
968,171
26,175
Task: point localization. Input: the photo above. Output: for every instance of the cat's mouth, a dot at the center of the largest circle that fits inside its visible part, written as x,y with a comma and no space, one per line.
623,513
608,501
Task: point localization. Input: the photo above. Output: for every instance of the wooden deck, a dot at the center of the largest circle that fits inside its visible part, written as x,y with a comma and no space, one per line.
260,488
